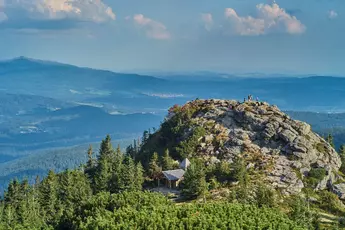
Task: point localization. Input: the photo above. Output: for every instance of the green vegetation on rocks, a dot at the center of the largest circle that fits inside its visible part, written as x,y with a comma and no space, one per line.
252,167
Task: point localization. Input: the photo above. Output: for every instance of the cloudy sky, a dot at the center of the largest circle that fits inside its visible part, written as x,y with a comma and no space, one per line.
234,36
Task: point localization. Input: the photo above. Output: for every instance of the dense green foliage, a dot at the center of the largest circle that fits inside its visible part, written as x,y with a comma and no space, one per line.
315,175
153,211
111,190
106,193
52,202
194,183
40,162
171,134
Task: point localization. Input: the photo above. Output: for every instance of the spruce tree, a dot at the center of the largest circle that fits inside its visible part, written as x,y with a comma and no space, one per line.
264,196
145,137
130,151
240,172
194,182
342,157
104,167
342,150
116,182
90,167
91,163
139,176
329,139
167,161
29,215
135,147
74,190
129,174
11,197
155,171
48,198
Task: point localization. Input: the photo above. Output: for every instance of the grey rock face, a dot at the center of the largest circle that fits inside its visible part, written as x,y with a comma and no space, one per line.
286,148
339,189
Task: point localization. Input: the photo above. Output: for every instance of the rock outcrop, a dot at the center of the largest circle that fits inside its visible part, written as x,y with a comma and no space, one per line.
285,150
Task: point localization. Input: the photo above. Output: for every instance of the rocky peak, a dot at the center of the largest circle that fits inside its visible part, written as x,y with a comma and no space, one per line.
285,150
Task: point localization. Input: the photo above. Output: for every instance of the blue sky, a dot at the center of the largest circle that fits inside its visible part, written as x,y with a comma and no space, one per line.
234,36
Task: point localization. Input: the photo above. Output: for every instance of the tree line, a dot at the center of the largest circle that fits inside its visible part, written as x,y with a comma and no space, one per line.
110,192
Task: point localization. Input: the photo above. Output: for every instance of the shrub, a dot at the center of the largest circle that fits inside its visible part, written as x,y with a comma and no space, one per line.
320,147
331,203
315,175
265,197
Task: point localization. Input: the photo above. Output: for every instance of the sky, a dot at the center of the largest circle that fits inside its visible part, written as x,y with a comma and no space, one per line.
232,36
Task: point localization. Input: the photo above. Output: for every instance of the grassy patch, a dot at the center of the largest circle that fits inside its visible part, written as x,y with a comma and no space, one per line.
298,173
320,147
315,176
307,137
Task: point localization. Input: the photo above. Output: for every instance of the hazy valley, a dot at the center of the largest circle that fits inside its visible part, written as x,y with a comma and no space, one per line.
47,106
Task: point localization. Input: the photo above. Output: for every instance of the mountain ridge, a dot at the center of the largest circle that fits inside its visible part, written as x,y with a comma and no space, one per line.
282,151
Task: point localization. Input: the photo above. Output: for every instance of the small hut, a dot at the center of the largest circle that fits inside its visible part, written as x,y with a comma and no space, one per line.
174,177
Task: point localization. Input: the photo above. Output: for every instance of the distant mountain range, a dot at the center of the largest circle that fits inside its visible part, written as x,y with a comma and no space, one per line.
44,105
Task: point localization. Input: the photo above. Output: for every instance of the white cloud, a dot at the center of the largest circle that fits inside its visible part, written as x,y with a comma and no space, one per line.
153,29
84,10
269,19
332,14
3,16
208,20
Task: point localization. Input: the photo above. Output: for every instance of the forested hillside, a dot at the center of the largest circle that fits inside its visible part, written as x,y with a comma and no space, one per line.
106,193
223,188
40,162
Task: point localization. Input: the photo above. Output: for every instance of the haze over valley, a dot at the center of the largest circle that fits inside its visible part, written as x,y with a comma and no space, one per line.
197,114
47,105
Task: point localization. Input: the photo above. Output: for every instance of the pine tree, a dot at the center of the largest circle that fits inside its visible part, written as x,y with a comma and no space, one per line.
342,157
194,182
155,170
90,167
135,147
139,176
145,137
116,183
129,174
300,211
106,147
11,197
342,150
104,167
48,198
130,151
29,215
91,161
329,139
264,196
167,161
240,172
37,182
74,190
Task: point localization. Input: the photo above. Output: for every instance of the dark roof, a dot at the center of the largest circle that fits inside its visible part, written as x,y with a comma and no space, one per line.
174,174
